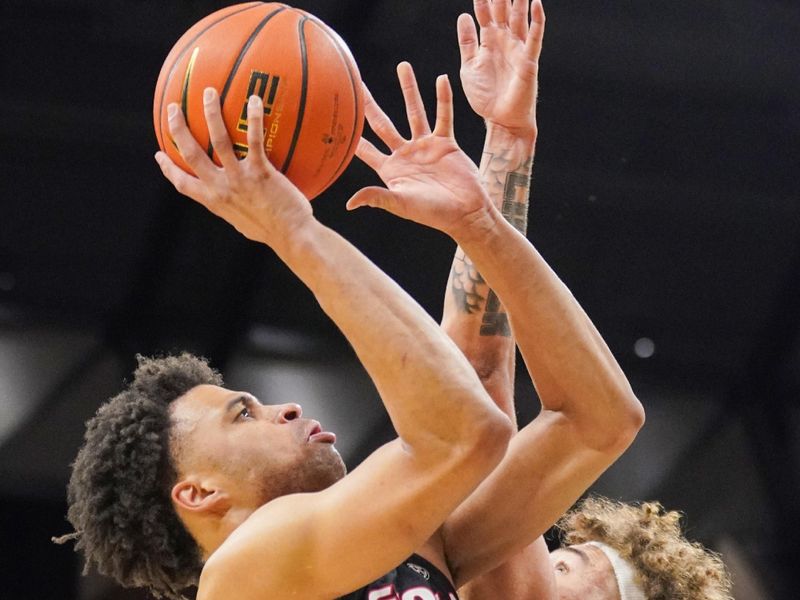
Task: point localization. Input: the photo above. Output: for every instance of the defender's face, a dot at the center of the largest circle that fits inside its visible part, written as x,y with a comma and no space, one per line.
583,573
256,452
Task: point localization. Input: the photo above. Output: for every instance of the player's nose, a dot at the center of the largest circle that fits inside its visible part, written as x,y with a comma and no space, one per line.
289,412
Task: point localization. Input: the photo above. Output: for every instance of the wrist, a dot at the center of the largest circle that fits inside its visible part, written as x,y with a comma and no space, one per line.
293,235
523,138
477,225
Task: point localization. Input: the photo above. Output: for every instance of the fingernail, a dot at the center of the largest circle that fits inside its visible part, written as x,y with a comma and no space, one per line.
208,94
172,110
255,101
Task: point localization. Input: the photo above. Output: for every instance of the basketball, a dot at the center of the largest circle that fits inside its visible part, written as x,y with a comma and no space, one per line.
301,68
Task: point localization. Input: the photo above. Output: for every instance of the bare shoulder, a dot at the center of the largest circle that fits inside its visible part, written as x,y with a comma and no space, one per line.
265,557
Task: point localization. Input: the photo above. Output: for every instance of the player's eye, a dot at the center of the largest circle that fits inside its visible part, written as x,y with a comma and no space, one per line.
245,413
561,567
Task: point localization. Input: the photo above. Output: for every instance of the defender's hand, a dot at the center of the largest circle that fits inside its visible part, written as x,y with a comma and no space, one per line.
429,178
251,194
499,73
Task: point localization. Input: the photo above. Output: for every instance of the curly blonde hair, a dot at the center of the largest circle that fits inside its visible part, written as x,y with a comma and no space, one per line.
669,566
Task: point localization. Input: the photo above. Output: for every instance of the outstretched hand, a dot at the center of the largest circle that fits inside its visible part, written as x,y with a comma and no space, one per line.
251,194
428,178
499,70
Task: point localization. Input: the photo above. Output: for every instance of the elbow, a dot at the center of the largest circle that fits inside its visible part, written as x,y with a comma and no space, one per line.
489,443
633,415
614,429
501,430
630,420
637,414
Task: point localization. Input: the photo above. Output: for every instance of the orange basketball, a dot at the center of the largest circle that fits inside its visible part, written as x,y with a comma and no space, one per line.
306,75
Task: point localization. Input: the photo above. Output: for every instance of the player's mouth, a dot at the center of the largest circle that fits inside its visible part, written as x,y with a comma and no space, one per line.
316,434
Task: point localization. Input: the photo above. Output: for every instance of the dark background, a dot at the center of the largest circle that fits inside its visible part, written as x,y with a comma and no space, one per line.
665,194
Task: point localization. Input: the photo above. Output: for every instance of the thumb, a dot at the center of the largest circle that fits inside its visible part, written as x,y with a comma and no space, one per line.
376,197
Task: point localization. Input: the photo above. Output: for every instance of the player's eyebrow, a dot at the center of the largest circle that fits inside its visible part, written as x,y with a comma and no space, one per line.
242,401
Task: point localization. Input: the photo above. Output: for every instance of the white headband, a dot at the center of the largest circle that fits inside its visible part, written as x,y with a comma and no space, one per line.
623,571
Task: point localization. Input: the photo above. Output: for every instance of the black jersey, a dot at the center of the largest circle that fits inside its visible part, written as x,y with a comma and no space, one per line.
415,579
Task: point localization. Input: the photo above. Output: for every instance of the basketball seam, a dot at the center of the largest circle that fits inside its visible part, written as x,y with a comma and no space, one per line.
350,74
303,94
247,45
180,56
185,89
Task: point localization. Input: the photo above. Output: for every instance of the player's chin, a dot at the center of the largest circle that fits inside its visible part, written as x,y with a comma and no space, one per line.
328,465
341,468
337,466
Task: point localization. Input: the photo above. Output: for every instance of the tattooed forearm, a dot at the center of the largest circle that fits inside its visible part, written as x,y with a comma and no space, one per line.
467,284
469,293
506,175
495,319
509,180
515,200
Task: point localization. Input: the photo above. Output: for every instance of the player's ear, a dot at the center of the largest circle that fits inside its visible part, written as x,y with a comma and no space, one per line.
196,497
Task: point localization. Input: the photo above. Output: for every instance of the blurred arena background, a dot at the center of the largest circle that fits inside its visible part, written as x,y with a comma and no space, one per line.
665,195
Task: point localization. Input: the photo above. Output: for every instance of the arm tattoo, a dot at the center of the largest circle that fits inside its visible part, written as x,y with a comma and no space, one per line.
515,200
512,183
503,179
495,318
465,284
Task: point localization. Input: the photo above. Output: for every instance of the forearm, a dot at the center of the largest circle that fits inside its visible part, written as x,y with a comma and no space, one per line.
506,166
589,412
428,387
572,368
473,316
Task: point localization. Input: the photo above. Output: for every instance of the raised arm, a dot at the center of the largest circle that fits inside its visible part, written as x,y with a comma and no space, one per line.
499,76
589,414
498,73
326,544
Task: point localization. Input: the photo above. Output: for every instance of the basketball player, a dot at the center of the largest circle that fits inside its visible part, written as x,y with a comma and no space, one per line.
619,551
179,474
256,496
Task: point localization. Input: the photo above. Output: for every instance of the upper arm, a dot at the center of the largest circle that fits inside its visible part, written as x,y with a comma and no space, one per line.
528,575
326,544
547,467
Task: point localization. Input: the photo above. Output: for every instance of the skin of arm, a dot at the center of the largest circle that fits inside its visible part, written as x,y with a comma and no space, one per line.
324,544
476,320
482,330
473,316
499,73
557,468
589,413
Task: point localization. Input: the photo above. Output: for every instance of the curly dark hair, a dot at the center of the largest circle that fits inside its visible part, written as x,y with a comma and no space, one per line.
119,491
669,566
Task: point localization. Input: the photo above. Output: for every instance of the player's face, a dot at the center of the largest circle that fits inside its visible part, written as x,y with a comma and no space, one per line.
256,452
583,573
